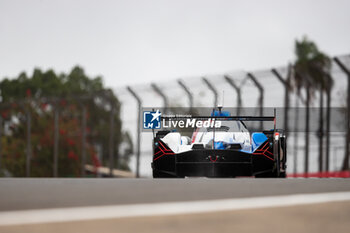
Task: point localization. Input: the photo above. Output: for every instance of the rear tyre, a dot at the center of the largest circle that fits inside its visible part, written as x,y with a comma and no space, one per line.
283,175
266,175
158,174
271,175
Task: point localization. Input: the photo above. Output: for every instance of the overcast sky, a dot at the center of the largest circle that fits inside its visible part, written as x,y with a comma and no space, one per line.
139,41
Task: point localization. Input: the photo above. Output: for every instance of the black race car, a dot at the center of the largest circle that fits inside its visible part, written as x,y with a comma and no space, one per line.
227,150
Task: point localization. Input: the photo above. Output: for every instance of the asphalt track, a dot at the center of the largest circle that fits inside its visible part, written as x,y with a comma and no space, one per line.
21,194
31,194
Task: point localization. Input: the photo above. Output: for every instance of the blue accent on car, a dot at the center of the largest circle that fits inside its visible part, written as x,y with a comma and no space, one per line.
220,145
257,140
220,113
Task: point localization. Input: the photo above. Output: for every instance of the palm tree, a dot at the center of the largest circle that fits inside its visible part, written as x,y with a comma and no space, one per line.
312,68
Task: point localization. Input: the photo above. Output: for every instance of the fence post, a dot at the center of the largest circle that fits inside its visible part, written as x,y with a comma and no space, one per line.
29,143
261,97
212,88
111,140
83,141
320,134
160,92
188,92
307,121
307,129
286,84
56,140
328,122
346,157
238,91
138,133
296,138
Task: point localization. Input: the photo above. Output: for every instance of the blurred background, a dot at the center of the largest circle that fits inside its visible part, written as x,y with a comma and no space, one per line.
73,75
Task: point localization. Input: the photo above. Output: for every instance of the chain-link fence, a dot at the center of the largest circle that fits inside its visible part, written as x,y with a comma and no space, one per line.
77,140
309,150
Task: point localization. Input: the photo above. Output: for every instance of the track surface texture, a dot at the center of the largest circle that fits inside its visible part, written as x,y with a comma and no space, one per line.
20,194
31,194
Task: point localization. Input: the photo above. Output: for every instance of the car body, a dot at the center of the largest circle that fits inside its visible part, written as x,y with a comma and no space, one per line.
226,151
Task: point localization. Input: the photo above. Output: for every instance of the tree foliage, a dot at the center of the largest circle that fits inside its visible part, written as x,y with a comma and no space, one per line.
39,95
312,66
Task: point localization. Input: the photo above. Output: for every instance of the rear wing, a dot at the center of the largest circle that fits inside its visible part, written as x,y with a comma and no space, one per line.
232,118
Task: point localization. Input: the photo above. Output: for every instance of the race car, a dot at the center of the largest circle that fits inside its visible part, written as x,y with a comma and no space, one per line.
227,150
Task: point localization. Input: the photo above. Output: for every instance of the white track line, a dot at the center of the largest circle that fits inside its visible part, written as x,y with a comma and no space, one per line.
167,208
